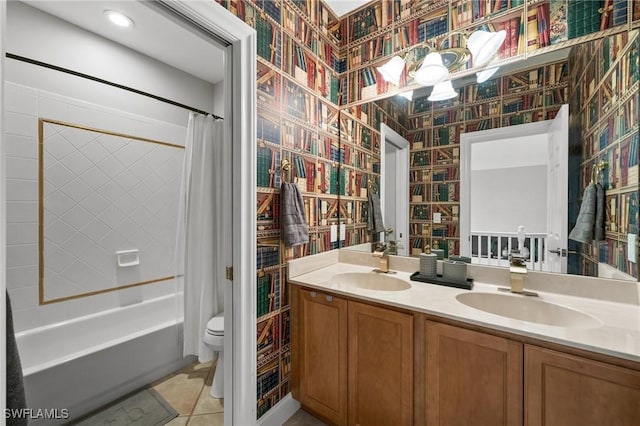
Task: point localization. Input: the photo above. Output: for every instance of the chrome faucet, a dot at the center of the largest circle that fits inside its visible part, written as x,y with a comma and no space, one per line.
381,251
517,271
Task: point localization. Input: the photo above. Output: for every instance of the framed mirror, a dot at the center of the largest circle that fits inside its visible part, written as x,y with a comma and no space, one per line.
596,79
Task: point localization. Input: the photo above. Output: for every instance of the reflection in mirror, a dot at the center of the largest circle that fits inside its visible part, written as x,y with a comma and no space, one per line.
513,182
599,81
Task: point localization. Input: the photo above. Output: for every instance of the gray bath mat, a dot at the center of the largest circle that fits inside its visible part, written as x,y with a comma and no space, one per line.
144,407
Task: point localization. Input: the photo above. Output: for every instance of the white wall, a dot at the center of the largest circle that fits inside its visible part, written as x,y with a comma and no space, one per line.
33,92
40,36
503,199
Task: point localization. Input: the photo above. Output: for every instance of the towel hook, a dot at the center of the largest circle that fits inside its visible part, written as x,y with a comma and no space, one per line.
595,171
285,166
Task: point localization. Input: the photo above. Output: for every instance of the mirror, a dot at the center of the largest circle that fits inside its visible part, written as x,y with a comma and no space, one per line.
598,80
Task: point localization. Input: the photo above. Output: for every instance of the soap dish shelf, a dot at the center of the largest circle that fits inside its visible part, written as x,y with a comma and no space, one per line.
440,280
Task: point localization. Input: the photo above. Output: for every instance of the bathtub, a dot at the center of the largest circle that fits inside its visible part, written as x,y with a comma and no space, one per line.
86,362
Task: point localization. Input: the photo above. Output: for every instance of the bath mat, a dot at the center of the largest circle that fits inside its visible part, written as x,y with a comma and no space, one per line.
144,407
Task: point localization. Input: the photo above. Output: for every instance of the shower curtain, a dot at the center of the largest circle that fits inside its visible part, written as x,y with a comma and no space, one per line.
200,251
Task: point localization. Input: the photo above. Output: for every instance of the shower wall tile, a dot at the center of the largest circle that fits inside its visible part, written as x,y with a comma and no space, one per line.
20,124
21,99
22,190
21,168
22,233
25,297
20,147
22,212
90,192
21,254
24,319
53,109
22,276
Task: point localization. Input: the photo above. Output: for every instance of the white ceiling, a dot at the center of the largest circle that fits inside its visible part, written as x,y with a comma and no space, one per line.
153,34
342,7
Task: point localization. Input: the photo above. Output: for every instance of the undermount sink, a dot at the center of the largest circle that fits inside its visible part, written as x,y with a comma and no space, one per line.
371,281
528,309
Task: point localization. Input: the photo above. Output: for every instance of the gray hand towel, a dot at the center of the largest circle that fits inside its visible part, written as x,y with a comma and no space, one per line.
599,229
374,223
15,384
583,231
293,223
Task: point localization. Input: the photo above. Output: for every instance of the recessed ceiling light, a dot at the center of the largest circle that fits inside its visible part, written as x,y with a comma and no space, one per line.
118,18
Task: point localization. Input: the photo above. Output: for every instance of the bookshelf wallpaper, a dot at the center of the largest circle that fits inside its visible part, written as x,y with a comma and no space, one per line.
604,100
320,105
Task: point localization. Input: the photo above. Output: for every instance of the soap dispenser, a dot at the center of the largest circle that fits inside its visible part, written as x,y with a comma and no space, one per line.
428,263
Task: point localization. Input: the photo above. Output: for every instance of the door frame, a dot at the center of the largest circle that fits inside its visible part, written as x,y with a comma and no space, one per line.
466,139
388,135
240,131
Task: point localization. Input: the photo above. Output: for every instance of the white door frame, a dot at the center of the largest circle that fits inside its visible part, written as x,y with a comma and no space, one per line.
240,87
3,213
490,135
387,134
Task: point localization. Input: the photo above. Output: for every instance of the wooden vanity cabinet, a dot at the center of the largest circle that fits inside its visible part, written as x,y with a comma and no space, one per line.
366,379
568,390
361,364
322,355
380,366
471,378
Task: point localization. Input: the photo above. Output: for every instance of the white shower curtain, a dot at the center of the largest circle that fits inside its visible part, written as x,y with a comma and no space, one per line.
199,253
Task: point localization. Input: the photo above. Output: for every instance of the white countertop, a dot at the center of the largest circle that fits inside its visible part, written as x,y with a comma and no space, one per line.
618,335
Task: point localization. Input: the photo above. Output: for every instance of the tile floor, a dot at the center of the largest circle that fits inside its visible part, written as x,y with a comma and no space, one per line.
302,418
187,391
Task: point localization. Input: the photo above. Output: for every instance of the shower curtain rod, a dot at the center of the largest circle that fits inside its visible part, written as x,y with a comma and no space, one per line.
109,83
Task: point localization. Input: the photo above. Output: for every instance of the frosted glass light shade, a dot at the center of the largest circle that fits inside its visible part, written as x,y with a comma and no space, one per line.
392,70
483,45
432,71
486,74
443,91
407,95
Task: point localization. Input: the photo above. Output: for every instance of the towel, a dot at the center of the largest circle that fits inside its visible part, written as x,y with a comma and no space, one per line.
374,223
598,231
293,223
583,231
15,383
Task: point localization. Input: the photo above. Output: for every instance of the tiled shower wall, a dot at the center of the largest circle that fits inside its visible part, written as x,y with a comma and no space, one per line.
137,185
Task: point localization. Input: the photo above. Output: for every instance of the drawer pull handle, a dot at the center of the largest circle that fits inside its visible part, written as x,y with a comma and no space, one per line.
329,298
313,294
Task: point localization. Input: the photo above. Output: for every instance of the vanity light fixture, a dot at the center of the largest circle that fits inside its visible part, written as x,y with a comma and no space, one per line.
443,91
434,66
119,19
407,95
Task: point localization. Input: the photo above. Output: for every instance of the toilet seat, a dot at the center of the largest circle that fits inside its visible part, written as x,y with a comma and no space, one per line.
215,326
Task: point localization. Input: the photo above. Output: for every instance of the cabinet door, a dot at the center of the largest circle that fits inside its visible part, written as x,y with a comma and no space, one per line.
380,366
472,378
323,355
566,390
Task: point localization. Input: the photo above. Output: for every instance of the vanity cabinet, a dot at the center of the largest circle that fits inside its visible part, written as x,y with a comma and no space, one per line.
357,363
471,377
566,390
354,360
380,366
322,355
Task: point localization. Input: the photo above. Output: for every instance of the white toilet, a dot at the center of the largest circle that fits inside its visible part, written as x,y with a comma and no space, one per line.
214,338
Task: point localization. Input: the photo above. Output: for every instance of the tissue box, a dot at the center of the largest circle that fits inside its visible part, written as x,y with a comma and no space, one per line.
454,271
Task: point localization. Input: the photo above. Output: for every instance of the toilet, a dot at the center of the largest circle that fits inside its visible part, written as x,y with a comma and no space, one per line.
214,338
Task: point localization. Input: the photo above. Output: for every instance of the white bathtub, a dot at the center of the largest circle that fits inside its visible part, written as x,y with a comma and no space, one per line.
84,363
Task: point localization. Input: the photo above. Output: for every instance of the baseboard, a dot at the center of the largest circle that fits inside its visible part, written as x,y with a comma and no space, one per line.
279,413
